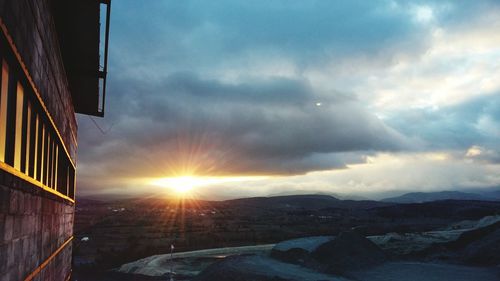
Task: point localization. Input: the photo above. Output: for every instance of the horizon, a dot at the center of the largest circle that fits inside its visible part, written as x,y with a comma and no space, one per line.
113,197
234,99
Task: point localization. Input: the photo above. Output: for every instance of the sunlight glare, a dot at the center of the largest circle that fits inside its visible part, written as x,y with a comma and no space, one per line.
186,184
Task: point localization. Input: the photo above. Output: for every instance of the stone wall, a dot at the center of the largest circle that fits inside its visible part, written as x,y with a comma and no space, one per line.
33,225
32,28
59,268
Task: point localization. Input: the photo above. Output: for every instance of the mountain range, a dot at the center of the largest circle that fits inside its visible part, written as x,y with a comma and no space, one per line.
421,197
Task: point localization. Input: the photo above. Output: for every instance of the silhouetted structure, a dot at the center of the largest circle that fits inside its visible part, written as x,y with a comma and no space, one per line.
50,69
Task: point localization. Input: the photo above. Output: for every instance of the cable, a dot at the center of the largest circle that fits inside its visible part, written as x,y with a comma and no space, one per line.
104,132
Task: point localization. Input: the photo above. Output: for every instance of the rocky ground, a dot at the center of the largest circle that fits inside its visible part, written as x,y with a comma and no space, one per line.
418,271
468,250
188,264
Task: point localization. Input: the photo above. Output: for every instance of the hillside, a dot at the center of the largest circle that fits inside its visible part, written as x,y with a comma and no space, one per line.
421,197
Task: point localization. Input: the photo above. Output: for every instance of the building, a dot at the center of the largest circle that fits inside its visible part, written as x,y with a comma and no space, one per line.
53,57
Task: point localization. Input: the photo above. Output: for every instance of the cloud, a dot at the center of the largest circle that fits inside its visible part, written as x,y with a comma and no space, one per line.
232,87
378,176
423,171
459,126
209,36
187,124
480,154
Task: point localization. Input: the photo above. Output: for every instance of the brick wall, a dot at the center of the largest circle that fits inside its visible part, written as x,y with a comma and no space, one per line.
35,223
58,267
32,28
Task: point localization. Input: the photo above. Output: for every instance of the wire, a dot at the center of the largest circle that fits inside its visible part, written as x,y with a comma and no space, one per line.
104,132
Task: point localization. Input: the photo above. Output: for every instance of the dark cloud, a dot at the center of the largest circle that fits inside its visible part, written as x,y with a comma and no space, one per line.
475,121
264,127
195,35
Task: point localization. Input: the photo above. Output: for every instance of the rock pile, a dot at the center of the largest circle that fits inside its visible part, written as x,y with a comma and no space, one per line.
348,251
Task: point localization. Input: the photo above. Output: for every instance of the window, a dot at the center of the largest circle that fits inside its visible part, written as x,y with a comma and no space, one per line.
19,127
27,138
56,158
46,152
30,141
3,109
52,165
42,155
30,146
36,157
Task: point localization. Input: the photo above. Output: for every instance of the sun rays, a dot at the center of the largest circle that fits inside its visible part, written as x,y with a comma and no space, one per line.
183,186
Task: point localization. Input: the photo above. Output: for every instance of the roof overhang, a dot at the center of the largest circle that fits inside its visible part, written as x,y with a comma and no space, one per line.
78,23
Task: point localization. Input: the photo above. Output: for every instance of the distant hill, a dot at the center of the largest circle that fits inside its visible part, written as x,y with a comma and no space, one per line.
86,201
421,197
306,201
288,201
492,195
312,192
444,209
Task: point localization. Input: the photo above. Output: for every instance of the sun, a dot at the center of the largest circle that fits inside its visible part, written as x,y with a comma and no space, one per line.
184,185
182,189
181,185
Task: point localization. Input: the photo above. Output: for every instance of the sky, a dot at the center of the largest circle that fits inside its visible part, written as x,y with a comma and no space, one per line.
257,98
